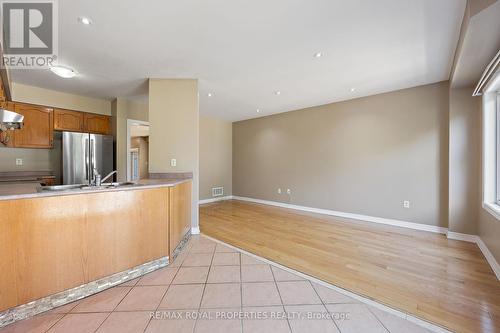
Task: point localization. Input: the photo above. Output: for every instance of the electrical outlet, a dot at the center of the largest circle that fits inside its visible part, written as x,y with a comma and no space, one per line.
279,191
19,161
406,204
288,191
173,162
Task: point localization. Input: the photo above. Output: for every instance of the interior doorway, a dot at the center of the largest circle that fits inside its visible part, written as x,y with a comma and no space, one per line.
137,149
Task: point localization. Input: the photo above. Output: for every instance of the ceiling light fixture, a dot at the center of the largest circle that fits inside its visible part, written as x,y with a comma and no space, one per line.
277,93
318,55
353,89
84,20
63,71
209,94
258,110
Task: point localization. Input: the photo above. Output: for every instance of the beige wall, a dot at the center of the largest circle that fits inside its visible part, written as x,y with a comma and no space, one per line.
215,156
464,160
361,156
35,95
174,134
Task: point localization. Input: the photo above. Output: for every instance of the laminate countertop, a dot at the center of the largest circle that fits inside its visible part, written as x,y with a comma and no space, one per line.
16,191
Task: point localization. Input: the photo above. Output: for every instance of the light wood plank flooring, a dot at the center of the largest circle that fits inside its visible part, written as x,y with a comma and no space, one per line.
443,281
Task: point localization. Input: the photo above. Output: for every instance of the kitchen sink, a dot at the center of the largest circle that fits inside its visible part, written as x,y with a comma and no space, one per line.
57,188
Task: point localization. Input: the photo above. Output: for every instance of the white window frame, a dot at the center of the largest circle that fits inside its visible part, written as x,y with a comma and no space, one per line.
491,147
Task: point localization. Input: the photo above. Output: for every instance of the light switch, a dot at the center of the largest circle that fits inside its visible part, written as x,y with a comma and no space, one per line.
173,162
19,161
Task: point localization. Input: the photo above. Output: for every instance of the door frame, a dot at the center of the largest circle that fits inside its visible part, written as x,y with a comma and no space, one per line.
130,123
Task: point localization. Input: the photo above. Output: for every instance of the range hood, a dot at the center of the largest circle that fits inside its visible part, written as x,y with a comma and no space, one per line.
10,120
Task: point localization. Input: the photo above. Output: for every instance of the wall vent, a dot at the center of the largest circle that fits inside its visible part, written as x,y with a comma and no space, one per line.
217,191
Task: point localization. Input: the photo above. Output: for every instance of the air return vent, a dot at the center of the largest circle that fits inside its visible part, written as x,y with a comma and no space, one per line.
217,191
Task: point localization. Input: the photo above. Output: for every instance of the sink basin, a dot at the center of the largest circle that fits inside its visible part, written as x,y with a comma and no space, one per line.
56,188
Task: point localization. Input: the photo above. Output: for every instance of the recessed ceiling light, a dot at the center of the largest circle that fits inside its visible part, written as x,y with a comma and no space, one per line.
209,94
258,110
318,55
63,71
353,89
84,20
277,92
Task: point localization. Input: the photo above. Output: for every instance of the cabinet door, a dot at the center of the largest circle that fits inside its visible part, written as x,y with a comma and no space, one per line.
96,123
66,120
7,138
38,129
180,213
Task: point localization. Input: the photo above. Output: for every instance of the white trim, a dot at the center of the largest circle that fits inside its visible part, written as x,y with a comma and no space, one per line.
397,223
205,201
493,209
462,237
195,230
362,299
130,122
489,257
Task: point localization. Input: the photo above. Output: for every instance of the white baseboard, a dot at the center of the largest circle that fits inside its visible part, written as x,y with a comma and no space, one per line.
366,218
489,257
462,237
205,201
195,230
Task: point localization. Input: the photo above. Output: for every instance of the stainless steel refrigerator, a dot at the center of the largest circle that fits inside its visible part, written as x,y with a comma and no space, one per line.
82,153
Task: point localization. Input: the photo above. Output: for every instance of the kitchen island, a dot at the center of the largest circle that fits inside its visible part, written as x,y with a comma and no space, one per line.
56,247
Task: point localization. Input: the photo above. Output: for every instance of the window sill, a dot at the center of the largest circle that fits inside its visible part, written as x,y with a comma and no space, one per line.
493,209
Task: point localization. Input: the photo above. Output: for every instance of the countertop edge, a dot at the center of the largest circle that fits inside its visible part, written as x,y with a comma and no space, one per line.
164,183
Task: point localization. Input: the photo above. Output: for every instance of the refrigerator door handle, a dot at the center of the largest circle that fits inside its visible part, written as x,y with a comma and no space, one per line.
87,159
92,159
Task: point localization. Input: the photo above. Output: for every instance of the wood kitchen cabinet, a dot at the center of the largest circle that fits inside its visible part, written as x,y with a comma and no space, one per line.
38,128
96,123
67,120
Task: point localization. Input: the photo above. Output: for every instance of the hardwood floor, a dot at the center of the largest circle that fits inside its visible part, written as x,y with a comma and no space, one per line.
444,281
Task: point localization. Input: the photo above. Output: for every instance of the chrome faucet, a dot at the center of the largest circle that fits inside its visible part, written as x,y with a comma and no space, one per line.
98,181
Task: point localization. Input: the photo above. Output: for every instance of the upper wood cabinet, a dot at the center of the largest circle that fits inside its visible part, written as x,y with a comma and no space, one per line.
66,120
38,128
96,123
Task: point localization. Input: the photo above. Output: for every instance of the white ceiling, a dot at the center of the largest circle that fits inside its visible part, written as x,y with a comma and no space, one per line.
243,51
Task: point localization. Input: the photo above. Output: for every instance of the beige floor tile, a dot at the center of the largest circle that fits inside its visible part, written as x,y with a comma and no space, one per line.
172,322
330,296
142,298
249,260
187,275
36,324
125,322
183,297
265,320
64,308
105,301
218,321
160,277
282,275
224,274
79,323
397,324
198,259
224,248
297,292
202,248
130,283
224,295
260,294
225,258
179,259
311,319
354,318
256,273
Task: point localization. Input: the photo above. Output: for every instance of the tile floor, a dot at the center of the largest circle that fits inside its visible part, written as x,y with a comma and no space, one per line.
212,288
